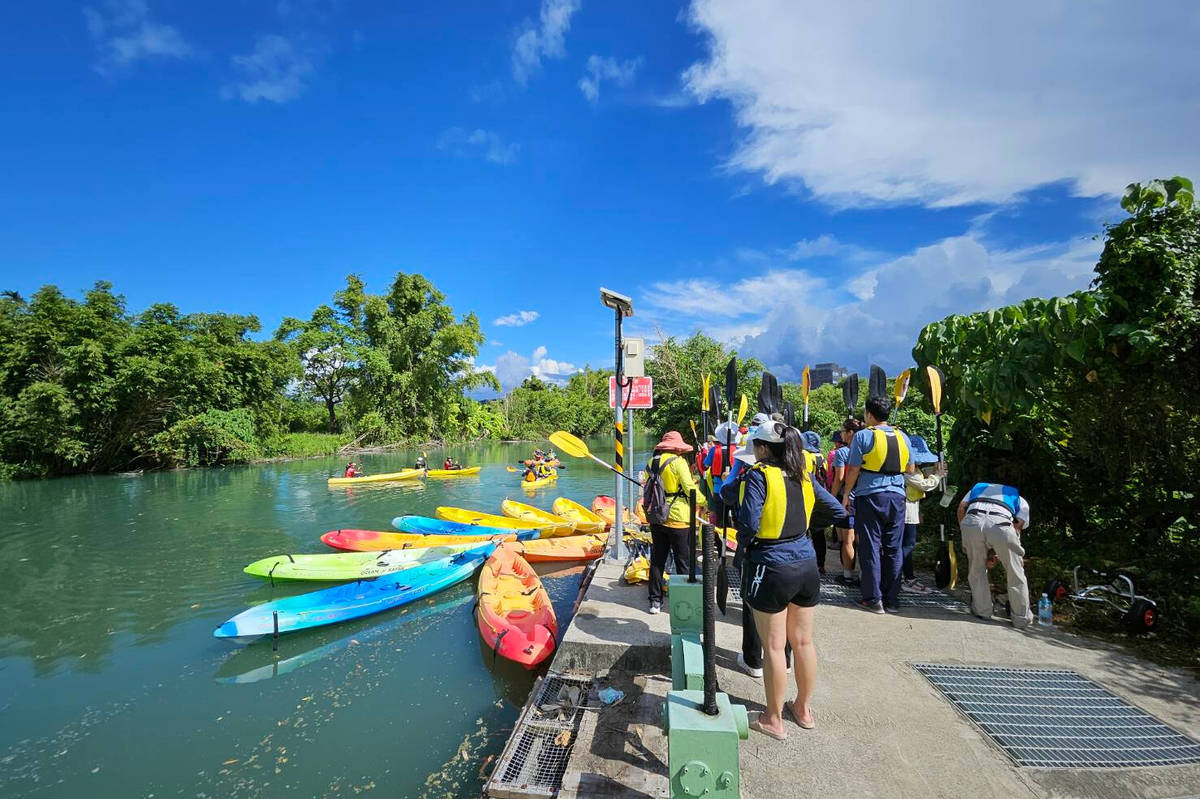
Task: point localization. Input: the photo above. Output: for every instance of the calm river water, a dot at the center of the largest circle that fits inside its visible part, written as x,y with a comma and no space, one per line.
111,684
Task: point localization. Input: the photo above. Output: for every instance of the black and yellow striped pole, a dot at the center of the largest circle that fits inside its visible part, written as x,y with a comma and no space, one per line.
619,449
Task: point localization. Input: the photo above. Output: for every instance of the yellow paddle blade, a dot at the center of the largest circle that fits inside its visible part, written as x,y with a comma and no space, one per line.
704,395
743,406
935,387
570,444
953,566
900,390
805,383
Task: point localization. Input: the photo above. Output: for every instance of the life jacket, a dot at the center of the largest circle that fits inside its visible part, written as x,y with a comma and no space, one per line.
449,464
1006,497
889,453
913,494
787,508
350,472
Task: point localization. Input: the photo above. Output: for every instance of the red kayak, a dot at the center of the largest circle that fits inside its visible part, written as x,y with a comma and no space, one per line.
376,540
515,616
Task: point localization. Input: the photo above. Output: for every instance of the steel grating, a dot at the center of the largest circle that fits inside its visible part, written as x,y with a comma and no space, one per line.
833,591
1047,718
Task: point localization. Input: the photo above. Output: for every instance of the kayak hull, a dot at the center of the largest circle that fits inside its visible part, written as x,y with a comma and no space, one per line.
354,600
350,565
376,541
540,482
467,471
423,525
555,525
513,611
407,474
559,550
584,520
464,516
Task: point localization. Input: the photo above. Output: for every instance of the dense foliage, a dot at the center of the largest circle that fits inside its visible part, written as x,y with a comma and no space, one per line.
1087,403
536,408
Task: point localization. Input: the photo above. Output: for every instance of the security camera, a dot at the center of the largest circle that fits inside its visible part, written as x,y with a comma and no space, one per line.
618,302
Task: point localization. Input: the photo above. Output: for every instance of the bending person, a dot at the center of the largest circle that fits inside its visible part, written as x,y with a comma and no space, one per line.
995,515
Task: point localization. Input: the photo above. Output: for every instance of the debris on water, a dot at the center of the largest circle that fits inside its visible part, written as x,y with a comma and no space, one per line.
96,770
195,606
230,761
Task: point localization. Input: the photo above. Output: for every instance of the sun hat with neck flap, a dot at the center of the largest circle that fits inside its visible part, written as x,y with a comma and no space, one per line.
672,442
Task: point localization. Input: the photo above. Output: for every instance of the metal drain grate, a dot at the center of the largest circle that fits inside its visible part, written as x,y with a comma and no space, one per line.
833,591
1045,718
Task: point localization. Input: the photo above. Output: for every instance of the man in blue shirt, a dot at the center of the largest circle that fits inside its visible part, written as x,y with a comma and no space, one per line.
994,515
875,469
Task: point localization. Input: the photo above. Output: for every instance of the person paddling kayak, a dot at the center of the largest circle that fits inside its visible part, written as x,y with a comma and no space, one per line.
352,470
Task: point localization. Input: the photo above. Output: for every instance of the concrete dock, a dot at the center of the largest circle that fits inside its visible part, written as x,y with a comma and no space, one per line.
882,729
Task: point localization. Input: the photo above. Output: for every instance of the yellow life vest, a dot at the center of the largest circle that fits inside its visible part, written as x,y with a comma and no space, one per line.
913,494
888,455
787,508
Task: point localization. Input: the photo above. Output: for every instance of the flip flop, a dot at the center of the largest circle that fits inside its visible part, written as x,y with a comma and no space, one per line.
754,725
790,709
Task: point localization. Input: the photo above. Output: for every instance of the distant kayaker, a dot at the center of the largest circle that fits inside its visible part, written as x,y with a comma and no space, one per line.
450,465
352,470
420,462
995,515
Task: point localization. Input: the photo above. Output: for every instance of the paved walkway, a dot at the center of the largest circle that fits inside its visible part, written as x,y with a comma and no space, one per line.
883,731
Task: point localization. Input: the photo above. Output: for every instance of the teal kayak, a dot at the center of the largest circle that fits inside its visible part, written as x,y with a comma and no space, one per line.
352,600
423,525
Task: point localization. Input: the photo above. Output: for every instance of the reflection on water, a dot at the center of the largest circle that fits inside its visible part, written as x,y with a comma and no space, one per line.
112,686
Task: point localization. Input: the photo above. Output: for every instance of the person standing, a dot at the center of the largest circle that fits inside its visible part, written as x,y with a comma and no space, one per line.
916,485
994,515
845,535
879,458
779,501
670,538
816,467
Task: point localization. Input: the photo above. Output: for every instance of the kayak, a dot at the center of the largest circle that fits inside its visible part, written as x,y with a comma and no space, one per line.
606,508
555,525
584,520
552,464
486,519
513,610
374,541
349,565
407,474
564,548
539,482
423,525
352,600
466,471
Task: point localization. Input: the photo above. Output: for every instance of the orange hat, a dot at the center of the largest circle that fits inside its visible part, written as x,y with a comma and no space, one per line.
673,442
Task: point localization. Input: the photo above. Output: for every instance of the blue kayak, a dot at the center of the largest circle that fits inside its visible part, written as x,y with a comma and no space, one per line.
352,600
423,525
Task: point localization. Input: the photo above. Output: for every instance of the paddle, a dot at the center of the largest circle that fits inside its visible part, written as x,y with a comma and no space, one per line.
945,564
806,387
900,390
574,447
850,393
743,406
696,438
767,392
877,382
789,414
705,398
731,393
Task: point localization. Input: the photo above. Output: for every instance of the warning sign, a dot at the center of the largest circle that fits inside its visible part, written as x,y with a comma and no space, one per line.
637,393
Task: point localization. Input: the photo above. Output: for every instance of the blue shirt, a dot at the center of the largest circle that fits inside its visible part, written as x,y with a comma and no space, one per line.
873,482
826,511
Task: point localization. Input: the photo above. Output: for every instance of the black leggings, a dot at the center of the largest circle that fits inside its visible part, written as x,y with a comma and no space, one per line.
819,544
666,541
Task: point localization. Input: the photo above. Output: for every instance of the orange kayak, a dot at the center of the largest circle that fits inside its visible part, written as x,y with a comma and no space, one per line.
606,508
564,548
374,541
513,610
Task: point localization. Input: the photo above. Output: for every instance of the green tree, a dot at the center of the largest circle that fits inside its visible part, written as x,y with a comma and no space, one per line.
677,368
324,346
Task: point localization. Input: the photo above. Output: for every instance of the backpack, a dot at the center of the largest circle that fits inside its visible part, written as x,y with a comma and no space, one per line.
654,497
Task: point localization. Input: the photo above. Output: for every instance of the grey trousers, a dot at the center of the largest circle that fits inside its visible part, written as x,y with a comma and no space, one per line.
984,529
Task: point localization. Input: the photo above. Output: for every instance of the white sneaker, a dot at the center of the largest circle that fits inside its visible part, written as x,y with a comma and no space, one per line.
753,672
914,587
655,608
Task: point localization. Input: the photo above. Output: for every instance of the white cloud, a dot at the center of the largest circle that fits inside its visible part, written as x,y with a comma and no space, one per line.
275,71
512,368
124,33
607,68
545,38
478,143
518,319
789,317
947,103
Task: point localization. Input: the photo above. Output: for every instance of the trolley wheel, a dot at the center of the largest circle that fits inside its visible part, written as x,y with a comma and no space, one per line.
1143,616
1056,589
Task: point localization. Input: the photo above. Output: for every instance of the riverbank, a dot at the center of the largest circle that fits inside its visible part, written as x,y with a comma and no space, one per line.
869,698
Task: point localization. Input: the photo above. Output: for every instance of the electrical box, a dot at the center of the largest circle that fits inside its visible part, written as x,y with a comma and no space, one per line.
634,357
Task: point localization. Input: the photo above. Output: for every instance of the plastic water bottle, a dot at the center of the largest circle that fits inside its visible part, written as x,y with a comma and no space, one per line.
1045,611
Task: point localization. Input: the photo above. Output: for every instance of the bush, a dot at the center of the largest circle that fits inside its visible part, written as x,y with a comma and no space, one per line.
213,438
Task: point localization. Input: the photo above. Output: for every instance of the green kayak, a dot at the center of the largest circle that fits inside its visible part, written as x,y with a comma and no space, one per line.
350,565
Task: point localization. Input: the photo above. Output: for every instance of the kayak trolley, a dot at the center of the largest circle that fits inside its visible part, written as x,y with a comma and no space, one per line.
1115,591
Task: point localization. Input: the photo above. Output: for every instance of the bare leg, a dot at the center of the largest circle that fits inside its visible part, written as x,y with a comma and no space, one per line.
800,633
772,628
847,539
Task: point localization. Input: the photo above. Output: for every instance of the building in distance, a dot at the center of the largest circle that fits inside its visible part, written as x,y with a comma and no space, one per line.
824,373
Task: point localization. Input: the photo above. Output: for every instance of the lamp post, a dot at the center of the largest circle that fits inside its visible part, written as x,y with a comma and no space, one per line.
622,307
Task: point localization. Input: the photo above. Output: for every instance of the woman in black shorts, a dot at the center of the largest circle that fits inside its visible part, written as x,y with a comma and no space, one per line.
781,502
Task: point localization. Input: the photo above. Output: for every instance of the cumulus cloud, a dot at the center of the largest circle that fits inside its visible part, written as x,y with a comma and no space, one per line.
276,70
607,68
544,38
478,143
948,103
512,368
788,317
518,319
123,33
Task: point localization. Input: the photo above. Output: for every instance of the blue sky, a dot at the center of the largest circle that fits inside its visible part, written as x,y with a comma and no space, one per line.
810,183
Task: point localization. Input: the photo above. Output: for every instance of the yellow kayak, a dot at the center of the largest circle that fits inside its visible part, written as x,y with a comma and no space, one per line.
540,482
584,520
464,516
407,474
555,525
466,471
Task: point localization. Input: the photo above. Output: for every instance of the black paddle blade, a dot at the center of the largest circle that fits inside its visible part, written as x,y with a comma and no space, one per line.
714,404
731,384
877,384
767,394
850,393
722,587
941,566
789,414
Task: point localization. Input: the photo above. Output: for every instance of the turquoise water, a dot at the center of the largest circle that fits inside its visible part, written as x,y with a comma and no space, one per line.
111,684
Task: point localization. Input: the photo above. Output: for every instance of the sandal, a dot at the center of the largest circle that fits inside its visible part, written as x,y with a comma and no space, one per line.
778,736
790,709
